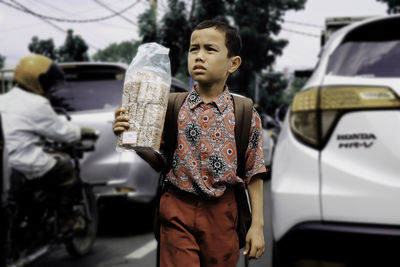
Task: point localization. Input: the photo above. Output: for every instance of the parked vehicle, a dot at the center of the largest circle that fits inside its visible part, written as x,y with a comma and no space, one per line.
91,95
270,135
30,221
6,80
335,176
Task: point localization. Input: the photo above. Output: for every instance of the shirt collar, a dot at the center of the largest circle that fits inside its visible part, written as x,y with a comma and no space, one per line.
221,101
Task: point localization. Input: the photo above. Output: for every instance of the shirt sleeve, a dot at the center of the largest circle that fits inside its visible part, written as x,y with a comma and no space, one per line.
47,123
254,152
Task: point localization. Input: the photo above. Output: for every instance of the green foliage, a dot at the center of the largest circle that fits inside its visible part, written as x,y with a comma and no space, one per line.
208,9
2,60
393,6
148,25
258,22
272,86
43,47
73,49
118,52
174,33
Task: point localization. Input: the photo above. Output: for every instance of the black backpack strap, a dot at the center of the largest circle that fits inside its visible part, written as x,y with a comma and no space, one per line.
243,113
175,103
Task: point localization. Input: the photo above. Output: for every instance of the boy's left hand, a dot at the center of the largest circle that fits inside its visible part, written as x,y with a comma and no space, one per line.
255,242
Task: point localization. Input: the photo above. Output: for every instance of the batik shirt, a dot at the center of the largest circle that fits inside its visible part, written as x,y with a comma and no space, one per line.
205,159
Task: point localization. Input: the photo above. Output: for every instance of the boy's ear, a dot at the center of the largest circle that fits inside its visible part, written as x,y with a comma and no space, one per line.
235,63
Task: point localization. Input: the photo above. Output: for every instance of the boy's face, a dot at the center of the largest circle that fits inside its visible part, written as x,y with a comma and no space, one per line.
208,61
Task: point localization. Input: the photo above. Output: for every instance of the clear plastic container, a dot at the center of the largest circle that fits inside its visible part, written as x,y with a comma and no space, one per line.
145,98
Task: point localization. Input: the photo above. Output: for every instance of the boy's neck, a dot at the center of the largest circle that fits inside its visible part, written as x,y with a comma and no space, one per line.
209,92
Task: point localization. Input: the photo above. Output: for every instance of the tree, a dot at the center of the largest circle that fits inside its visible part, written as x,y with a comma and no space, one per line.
43,47
73,49
208,9
148,24
393,6
273,85
120,52
2,60
174,34
258,21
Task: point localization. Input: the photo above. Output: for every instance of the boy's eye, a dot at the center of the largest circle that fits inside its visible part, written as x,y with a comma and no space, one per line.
211,49
192,49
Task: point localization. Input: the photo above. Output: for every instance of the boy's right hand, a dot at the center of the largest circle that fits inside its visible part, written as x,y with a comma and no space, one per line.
121,122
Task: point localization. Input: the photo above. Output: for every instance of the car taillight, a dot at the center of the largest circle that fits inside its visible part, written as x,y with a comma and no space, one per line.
314,112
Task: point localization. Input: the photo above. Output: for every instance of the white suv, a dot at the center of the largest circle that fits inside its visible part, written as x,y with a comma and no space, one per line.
336,169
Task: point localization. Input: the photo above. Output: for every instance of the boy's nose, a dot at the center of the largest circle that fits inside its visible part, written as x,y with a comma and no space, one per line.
199,56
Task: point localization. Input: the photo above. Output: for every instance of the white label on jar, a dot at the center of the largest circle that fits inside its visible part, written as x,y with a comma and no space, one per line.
129,137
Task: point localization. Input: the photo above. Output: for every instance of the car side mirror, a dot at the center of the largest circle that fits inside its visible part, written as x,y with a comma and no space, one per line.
280,112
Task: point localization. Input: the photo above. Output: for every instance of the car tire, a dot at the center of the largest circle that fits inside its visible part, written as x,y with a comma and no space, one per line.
278,260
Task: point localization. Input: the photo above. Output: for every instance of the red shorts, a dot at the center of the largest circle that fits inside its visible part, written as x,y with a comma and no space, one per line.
196,231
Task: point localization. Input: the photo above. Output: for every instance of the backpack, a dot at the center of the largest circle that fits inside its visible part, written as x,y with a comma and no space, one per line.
243,113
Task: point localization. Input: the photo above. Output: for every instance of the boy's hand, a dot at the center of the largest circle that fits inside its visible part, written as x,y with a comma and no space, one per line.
254,242
121,122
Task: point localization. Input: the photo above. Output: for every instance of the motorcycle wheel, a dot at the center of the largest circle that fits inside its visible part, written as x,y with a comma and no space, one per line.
6,240
83,241
4,228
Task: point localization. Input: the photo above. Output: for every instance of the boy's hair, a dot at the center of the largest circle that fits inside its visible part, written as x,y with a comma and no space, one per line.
232,38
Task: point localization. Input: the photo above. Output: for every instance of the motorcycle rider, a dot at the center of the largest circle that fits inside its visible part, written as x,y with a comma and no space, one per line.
28,116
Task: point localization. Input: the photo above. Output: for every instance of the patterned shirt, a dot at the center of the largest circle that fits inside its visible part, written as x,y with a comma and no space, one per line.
204,161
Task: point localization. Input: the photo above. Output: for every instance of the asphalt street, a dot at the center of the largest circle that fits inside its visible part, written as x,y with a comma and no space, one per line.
126,239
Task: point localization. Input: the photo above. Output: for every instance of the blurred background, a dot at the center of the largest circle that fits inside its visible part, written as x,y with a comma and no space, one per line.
280,37
282,41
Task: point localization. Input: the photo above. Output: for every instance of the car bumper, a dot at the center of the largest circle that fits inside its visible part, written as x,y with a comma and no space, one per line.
336,241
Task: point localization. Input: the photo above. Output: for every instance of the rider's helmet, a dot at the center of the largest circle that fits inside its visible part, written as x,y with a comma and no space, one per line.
37,73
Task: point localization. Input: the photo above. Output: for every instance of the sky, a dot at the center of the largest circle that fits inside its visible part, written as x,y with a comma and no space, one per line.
17,28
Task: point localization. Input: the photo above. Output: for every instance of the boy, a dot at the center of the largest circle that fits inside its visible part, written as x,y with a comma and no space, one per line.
198,213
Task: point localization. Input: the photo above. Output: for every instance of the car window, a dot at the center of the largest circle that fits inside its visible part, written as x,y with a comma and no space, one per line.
88,95
372,51
91,89
371,59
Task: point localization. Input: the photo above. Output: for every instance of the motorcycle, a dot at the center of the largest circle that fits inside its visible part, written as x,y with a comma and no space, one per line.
31,224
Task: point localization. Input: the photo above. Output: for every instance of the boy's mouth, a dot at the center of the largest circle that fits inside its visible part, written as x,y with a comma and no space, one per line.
198,67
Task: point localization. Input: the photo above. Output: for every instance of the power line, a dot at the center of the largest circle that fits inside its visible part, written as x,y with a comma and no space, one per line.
27,10
303,24
48,5
54,25
61,29
64,12
112,10
301,33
